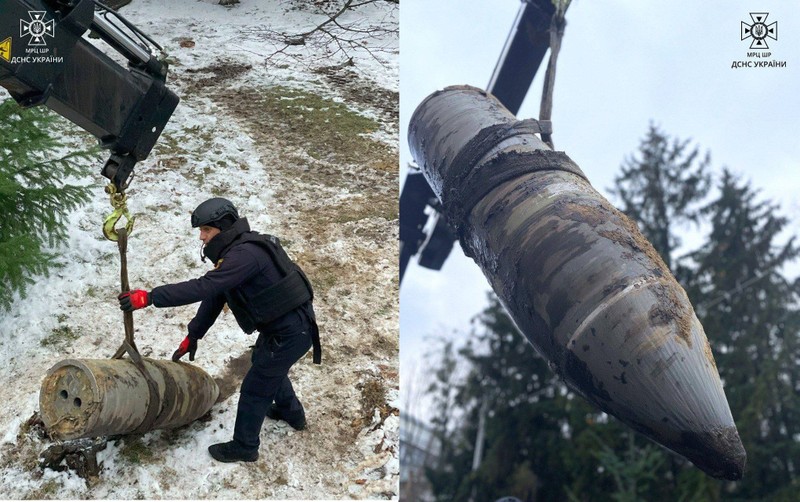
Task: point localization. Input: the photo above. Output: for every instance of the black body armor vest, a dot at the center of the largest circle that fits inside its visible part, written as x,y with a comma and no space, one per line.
289,293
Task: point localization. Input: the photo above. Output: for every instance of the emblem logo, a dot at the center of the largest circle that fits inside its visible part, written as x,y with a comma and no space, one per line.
5,49
37,28
759,31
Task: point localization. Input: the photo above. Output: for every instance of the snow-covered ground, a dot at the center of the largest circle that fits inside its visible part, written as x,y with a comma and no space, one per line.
249,132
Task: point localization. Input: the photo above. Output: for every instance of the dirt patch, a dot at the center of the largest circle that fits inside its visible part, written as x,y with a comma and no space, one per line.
324,269
671,308
325,129
25,450
684,313
373,395
135,451
220,72
62,335
593,215
356,89
328,175
231,379
373,398
637,241
370,206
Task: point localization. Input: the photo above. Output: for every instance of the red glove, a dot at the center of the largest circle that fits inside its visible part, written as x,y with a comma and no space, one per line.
134,300
187,345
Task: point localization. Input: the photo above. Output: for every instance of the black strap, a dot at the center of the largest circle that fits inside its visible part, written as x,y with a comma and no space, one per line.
127,317
477,148
467,180
315,342
154,406
307,312
129,346
479,182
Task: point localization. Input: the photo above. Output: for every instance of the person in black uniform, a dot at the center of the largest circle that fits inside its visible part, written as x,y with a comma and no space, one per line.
267,292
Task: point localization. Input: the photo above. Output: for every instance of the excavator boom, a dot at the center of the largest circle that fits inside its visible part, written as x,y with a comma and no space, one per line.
45,60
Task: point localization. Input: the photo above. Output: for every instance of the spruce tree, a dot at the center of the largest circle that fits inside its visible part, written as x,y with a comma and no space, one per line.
526,407
536,431
749,311
661,187
453,463
34,195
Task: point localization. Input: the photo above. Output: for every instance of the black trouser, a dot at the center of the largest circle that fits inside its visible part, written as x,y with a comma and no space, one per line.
268,381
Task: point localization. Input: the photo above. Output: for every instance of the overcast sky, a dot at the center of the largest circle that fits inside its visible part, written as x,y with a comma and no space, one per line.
622,65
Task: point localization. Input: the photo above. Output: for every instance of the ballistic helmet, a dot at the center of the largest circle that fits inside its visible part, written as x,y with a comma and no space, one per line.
214,210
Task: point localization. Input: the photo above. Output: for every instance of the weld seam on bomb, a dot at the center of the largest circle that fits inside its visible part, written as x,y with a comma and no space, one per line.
605,304
153,411
168,401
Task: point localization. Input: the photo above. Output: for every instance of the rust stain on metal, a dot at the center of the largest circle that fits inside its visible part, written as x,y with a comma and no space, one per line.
642,244
593,215
709,355
673,308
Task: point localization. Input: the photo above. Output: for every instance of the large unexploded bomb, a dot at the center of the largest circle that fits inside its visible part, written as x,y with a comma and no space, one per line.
580,281
97,397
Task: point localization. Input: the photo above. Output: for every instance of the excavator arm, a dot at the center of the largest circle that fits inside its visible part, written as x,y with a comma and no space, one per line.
45,60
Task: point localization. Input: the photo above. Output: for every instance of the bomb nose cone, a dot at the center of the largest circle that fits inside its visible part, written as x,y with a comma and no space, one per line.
642,355
719,453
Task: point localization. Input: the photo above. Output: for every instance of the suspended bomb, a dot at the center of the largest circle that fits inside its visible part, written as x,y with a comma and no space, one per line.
580,281
97,397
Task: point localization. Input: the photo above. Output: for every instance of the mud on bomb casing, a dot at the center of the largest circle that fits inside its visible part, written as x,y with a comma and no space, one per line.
577,277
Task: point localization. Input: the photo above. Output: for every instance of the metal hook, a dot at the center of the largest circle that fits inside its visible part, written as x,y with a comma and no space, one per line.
119,202
110,223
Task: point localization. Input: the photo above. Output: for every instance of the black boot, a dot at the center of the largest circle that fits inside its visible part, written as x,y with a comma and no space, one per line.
296,419
232,451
